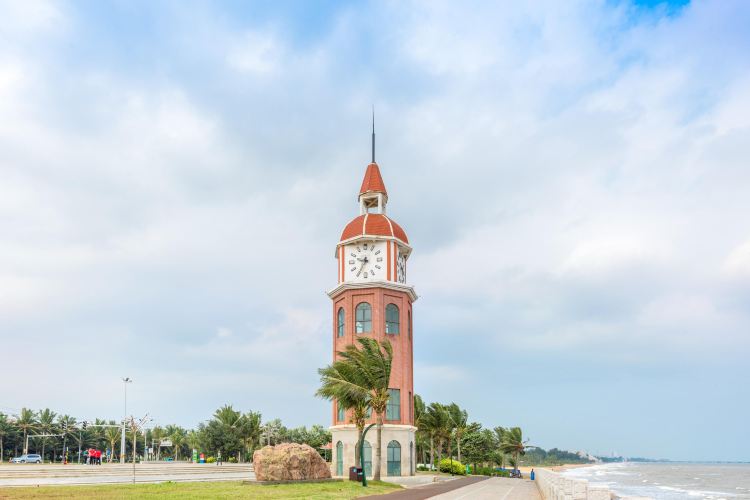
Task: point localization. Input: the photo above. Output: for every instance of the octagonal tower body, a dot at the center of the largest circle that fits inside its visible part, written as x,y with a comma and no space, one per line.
373,299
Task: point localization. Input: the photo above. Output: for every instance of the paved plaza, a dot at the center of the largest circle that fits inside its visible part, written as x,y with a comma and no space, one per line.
50,475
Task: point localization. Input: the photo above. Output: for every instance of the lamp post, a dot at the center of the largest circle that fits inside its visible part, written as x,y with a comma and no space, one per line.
126,381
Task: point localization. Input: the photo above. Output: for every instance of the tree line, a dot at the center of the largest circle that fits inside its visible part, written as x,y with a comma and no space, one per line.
233,433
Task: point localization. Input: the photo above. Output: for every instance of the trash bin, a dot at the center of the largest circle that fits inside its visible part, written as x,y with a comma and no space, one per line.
355,474
532,474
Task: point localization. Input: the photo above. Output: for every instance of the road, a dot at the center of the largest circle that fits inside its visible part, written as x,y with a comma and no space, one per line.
41,475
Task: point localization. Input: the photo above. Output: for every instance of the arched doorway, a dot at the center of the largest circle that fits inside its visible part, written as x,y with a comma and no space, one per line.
368,458
339,459
394,458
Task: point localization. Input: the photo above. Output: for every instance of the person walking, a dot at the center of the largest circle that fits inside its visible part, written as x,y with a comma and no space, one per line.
218,458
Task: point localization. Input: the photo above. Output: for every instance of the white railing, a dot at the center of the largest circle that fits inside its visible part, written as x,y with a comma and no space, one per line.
555,486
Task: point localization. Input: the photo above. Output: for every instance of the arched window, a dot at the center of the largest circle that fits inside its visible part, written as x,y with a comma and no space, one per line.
367,449
339,459
340,411
363,318
391,319
394,458
340,323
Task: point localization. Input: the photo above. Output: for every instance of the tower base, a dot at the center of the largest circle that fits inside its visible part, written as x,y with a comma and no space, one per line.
398,456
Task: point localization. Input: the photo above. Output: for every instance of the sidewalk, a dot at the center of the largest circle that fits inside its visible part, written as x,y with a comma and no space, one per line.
496,488
430,490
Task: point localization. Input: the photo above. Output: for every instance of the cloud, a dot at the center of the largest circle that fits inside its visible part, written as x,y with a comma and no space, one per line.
571,176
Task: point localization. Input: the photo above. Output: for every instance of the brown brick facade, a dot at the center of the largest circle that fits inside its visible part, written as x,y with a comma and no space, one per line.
402,372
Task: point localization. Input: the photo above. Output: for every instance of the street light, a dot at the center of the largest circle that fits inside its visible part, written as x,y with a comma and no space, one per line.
126,381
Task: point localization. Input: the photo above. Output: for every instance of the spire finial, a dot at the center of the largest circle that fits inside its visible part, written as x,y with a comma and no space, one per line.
373,133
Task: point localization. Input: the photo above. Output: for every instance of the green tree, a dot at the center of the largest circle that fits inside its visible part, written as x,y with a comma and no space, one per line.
370,375
231,421
422,436
249,432
437,420
46,419
6,430
67,426
194,440
512,443
112,435
459,420
479,445
26,421
273,431
334,381
179,439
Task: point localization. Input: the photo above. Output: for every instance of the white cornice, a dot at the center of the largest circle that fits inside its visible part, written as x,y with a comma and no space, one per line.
354,285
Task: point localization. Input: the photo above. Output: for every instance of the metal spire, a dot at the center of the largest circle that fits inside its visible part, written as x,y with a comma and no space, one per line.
373,134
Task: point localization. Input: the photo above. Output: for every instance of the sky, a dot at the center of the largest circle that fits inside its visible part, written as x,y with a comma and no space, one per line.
573,178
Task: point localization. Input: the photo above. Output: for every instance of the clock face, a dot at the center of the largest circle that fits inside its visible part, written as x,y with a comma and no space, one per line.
364,260
401,269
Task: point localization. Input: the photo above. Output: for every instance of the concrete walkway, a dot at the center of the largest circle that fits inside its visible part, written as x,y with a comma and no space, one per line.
495,488
470,488
430,490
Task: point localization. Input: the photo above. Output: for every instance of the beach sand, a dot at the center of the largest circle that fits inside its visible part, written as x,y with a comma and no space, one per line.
554,468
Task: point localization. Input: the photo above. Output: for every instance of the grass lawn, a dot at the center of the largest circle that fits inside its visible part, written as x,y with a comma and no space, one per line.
219,489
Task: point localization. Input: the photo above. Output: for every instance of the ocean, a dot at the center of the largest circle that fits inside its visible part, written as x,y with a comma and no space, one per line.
670,480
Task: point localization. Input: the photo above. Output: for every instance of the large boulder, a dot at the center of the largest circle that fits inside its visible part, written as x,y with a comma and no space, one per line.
289,462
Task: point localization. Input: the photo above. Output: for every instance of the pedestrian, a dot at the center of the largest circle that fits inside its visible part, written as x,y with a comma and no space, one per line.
218,458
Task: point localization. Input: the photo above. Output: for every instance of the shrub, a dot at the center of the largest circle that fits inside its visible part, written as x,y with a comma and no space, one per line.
489,471
232,460
423,468
458,467
211,460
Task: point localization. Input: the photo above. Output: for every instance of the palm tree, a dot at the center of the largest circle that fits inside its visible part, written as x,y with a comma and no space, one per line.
438,421
371,363
5,430
231,420
157,433
26,421
178,437
250,431
67,425
112,435
194,440
459,418
419,411
333,390
46,425
512,443
270,431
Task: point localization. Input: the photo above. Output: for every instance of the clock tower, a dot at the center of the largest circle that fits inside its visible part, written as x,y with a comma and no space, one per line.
372,299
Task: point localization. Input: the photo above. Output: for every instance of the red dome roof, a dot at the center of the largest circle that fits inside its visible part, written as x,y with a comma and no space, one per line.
373,225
